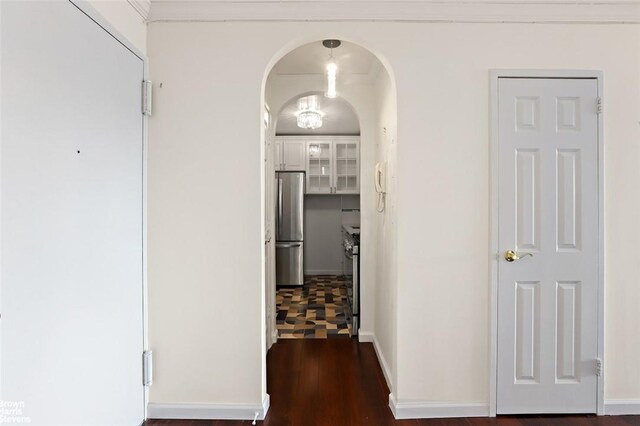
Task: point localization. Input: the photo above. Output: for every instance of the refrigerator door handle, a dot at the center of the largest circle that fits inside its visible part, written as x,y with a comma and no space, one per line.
279,205
288,245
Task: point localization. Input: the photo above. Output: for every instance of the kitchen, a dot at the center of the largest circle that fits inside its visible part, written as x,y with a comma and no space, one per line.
315,146
317,226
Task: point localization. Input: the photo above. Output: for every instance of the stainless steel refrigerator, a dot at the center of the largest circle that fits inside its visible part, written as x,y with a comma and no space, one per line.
290,228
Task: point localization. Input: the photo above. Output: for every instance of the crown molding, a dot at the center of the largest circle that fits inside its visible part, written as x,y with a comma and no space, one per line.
143,7
469,11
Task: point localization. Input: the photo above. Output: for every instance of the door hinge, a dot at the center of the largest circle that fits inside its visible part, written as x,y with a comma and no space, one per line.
598,367
147,368
147,92
599,105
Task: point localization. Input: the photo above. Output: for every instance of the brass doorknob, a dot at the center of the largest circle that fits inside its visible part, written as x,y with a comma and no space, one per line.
511,255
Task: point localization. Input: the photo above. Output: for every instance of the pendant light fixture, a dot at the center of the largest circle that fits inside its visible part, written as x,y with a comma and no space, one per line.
309,115
332,68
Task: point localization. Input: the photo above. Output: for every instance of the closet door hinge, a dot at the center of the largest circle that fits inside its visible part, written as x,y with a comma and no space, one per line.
599,105
147,368
598,367
147,92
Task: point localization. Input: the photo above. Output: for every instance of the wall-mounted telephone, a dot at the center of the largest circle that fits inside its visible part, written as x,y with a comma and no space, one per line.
380,177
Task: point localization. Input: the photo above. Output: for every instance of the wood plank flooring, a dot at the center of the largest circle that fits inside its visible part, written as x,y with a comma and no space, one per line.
338,382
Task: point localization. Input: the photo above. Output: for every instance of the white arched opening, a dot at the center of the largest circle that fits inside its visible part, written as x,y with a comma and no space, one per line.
371,97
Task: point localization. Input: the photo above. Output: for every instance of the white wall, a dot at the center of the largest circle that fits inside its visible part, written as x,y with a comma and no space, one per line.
386,274
125,19
205,259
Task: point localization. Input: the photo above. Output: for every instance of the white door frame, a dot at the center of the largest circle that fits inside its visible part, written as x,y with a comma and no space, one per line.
494,255
94,15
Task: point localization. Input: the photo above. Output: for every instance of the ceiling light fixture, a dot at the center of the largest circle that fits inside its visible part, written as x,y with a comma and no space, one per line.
309,115
332,69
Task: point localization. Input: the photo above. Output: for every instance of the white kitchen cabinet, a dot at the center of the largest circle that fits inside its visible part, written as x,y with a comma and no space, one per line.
319,167
333,165
277,154
346,155
289,154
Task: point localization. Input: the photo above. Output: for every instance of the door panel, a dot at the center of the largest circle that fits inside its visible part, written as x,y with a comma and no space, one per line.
548,208
294,155
527,198
72,318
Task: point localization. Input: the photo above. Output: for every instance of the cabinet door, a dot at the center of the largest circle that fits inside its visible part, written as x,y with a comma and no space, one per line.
294,155
319,167
277,155
347,167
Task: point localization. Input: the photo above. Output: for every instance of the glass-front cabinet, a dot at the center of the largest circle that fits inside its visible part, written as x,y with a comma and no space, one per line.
347,167
319,167
333,165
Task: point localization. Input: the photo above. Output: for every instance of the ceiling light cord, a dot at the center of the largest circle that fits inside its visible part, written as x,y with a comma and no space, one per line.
332,68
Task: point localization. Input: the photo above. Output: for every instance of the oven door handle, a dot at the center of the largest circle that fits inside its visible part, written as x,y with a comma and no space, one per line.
356,286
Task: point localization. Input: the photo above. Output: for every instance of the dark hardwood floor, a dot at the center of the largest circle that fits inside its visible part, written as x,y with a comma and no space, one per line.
339,382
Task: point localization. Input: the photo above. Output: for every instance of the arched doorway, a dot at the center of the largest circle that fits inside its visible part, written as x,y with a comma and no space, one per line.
367,87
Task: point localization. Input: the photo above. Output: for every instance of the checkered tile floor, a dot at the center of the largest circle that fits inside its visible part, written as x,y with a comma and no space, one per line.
317,310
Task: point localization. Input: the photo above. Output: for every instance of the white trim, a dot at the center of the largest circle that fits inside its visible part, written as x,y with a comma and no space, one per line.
601,247
493,242
92,13
208,411
622,407
386,371
478,11
392,405
142,7
494,254
366,337
435,410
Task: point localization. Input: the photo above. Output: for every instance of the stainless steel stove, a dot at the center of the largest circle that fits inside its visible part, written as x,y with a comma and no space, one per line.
351,243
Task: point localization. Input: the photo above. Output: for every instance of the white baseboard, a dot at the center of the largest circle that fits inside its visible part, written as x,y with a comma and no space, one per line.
365,336
622,407
435,410
159,410
324,272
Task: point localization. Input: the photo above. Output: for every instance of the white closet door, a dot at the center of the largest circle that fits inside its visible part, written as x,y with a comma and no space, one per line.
548,299
71,225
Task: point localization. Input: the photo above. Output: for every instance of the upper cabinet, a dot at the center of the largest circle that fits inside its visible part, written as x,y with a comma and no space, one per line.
320,167
289,154
347,165
332,163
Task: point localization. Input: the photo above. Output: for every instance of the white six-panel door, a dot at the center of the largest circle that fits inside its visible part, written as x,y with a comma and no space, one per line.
71,222
548,215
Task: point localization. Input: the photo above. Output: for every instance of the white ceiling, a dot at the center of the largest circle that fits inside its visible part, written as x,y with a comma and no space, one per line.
312,59
339,119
